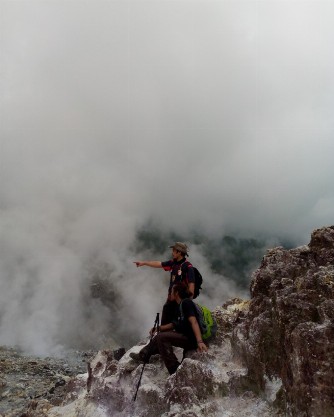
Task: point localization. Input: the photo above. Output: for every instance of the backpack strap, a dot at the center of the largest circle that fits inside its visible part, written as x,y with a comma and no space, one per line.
185,275
181,310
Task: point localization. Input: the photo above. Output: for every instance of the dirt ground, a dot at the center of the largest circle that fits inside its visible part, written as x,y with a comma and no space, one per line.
27,380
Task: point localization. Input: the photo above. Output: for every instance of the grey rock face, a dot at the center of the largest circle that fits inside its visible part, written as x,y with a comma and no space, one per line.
288,332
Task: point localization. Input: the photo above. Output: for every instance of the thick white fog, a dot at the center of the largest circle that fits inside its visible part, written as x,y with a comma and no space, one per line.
208,115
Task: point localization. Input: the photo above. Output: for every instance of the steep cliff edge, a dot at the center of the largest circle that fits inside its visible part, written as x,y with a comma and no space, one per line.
288,332
273,354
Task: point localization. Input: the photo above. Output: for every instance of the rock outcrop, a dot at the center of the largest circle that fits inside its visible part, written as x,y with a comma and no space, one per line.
204,385
287,334
272,356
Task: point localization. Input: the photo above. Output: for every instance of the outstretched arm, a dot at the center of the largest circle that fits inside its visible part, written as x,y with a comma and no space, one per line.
201,346
152,264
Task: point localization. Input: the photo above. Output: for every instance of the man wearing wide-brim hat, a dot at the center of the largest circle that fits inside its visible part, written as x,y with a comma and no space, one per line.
181,270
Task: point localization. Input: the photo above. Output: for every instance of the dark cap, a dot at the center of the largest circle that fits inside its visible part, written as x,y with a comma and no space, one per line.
181,247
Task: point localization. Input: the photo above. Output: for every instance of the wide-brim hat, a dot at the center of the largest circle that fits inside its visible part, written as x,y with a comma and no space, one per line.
180,246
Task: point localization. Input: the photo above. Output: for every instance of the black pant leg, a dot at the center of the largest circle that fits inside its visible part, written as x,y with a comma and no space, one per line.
165,342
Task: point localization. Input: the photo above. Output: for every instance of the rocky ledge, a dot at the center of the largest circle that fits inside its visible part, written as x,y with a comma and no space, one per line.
272,356
203,386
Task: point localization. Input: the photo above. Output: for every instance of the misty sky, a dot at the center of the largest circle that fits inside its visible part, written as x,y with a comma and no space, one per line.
209,114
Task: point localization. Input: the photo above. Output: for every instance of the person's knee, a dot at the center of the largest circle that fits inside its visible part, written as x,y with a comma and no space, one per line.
160,337
163,338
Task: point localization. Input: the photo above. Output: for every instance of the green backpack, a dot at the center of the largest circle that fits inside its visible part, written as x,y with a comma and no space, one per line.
206,321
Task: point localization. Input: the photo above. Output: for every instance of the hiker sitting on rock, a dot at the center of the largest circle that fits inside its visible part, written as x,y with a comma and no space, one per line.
180,271
184,333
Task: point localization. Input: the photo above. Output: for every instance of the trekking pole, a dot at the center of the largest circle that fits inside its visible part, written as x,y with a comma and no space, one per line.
156,326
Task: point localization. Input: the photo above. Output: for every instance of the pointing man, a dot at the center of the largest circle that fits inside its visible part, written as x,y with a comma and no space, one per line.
180,270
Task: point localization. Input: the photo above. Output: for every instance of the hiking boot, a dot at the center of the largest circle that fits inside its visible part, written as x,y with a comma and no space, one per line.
138,357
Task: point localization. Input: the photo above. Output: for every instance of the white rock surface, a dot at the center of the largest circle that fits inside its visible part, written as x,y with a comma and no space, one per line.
211,384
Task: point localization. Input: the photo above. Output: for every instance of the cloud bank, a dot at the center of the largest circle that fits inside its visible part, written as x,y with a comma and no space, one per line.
215,116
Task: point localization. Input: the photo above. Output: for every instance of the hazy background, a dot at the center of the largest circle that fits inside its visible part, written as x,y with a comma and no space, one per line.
207,117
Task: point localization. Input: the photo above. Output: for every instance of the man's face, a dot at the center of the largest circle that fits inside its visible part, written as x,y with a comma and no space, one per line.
177,254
